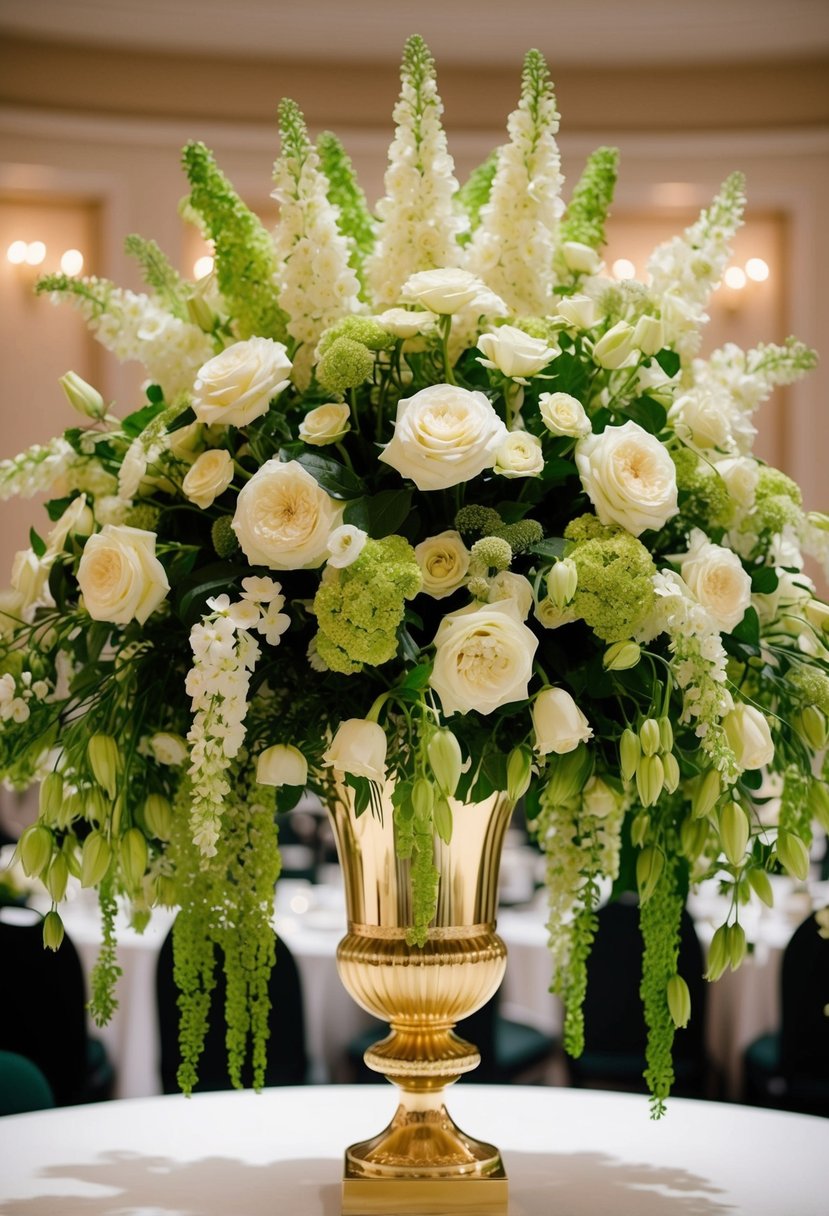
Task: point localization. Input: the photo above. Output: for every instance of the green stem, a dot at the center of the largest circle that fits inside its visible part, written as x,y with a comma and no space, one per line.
445,330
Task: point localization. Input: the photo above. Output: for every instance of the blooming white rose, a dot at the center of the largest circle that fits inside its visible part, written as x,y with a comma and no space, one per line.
509,586
741,475
580,258
579,312
519,455
237,385
345,544
284,518
563,415
749,737
444,562
168,748
515,353
208,477
613,348
442,291
325,424
559,724
629,477
119,575
443,436
483,658
405,324
717,580
282,764
359,748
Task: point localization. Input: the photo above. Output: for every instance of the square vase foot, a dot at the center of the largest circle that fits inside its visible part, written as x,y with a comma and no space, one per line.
426,1197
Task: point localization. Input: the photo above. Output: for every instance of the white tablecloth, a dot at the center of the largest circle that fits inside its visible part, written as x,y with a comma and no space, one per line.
573,1152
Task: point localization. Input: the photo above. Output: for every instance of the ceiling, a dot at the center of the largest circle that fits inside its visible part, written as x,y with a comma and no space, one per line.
486,32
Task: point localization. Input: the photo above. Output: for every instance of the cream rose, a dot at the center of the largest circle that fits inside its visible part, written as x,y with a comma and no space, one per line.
119,575
359,748
509,586
208,477
443,436
741,475
563,415
483,658
282,764
614,347
325,424
444,562
519,455
510,351
629,477
284,518
700,419
749,737
559,724
237,385
442,291
717,580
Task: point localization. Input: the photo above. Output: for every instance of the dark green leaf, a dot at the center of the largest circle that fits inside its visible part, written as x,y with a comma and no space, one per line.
668,360
764,580
37,542
551,546
59,585
748,629
335,478
184,419
56,506
417,677
407,647
287,797
362,792
381,514
557,471
193,592
96,638
155,393
650,415
752,779
135,423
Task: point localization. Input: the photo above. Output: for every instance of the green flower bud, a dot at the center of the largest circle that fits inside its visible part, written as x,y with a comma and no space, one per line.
35,849
718,954
706,794
519,773
666,735
95,858
423,800
70,852
56,877
630,751
445,757
819,803
811,723
443,820
761,886
51,798
562,582
134,856
224,539
817,614
82,396
96,805
621,656
72,808
679,1001
165,891
158,815
52,930
793,855
104,758
649,736
671,766
649,866
650,777
200,313
734,831
693,836
567,775
736,943
639,828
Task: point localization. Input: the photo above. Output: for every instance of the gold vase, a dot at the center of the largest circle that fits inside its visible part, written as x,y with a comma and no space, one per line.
422,1162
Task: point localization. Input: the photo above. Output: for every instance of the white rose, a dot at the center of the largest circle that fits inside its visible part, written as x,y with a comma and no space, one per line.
29,575
186,442
579,312
552,617
717,580
359,748
284,518
741,475
237,385
629,477
749,737
510,351
563,415
442,291
208,477
325,424
483,658
509,586
405,324
614,347
444,562
700,419
345,544
168,748
559,724
519,455
443,436
581,259
282,764
120,576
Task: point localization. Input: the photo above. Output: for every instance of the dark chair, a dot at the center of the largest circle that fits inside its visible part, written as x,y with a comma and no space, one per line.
43,1011
790,1069
287,1057
23,1086
615,1034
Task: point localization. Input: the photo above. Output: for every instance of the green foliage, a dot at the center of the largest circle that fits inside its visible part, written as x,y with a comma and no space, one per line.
590,201
159,274
346,195
659,920
474,194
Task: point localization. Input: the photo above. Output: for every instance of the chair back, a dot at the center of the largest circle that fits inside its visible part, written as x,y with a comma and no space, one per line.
23,1086
804,1035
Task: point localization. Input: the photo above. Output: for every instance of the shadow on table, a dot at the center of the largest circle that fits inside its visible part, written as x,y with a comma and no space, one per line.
577,1184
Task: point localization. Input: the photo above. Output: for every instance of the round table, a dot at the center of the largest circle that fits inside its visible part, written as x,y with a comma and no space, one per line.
575,1152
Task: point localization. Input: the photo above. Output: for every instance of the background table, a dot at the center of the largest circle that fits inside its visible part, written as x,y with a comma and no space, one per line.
574,1152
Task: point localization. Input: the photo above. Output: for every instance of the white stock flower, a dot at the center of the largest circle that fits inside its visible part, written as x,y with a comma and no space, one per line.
236,386
444,563
359,748
208,477
483,658
325,424
559,724
168,748
563,415
443,436
443,291
119,575
716,578
519,455
514,353
284,518
748,734
282,764
629,477
345,544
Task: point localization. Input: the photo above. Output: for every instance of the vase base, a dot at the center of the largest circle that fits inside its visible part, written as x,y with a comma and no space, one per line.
488,1196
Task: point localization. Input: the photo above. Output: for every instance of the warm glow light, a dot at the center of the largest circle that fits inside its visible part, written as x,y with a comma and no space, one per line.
623,269
35,253
71,261
16,252
735,278
202,266
300,903
757,269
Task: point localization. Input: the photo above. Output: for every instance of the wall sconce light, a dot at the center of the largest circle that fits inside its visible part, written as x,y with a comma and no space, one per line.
29,256
202,267
739,278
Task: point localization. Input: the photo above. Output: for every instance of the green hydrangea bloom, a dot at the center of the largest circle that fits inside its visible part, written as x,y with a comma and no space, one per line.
586,527
347,196
365,330
475,192
812,685
143,516
520,535
344,365
615,592
537,327
477,520
777,502
360,611
591,198
705,496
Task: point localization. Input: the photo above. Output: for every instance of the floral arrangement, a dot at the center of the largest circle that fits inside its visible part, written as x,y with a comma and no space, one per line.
418,497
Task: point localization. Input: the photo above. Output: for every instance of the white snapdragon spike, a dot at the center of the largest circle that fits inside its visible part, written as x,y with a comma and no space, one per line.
685,270
418,224
512,249
35,470
315,282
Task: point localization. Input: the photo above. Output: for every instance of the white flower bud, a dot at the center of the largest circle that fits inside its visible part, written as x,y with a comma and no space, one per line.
562,582
621,656
679,1001
446,761
734,831
282,764
614,347
82,396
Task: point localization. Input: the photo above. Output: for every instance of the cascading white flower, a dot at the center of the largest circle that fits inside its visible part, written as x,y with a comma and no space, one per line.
35,470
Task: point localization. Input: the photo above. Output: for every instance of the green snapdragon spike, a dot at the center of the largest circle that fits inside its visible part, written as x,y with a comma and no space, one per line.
475,192
245,262
590,201
159,274
345,193
93,292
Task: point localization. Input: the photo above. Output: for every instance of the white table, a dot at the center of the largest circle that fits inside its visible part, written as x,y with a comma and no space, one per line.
570,1152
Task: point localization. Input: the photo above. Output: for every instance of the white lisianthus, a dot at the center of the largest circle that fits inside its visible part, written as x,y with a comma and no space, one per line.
404,323
509,586
514,353
444,436
345,544
284,518
614,348
629,477
559,724
208,477
648,335
442,291
579,312
519,455
563,415
325,424
483,658
749,737
716,578
741,475
444,563
237,385
168,748
580,258
359,748
29,575
282,764
119,575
